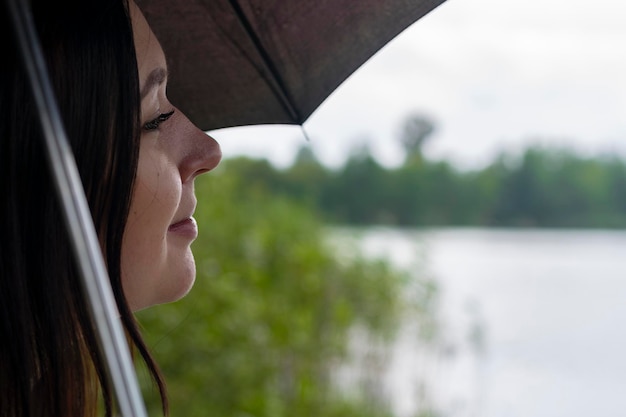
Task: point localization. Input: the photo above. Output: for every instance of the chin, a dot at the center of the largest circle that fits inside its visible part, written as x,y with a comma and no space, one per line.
180,283
147,287
172,294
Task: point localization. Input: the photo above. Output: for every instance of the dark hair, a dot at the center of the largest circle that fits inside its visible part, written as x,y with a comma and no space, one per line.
51,364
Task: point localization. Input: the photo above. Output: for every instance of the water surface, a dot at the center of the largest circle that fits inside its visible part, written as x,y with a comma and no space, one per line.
533,321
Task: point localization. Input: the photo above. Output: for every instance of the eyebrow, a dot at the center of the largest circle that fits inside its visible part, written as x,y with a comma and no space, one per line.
155,78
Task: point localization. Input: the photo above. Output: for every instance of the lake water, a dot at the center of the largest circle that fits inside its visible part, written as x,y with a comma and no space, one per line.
533,322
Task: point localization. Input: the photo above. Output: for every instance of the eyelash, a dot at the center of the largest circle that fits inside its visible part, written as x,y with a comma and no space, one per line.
154,124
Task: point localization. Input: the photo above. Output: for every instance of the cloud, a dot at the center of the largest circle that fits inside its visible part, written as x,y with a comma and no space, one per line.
493,73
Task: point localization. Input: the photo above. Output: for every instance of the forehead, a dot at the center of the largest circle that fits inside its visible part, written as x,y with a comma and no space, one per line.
150,55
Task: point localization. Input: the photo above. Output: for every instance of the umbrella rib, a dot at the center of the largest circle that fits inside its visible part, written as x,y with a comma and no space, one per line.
280,89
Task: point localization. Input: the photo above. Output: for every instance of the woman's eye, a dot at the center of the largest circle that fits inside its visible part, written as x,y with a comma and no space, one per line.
154,124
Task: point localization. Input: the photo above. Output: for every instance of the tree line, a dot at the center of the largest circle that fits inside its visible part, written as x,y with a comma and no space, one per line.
541,187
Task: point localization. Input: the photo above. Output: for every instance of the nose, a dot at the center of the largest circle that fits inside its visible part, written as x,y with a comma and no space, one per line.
200,152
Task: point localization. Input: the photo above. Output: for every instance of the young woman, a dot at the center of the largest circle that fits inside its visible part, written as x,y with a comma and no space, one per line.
137,156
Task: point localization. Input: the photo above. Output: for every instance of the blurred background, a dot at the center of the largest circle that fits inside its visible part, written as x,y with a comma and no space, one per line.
443,237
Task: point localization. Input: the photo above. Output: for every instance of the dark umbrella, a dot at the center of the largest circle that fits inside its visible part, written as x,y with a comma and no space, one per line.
232,63
235,63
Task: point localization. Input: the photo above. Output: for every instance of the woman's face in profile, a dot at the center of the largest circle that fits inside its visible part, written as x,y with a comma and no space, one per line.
157,263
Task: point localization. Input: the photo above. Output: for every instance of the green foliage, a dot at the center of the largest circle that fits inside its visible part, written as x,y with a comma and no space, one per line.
416,130
556,188
542,187
269,317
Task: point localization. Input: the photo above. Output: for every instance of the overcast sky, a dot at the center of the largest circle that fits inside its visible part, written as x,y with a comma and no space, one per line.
492,75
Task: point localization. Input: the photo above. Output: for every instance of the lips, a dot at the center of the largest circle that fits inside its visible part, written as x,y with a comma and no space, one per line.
186,227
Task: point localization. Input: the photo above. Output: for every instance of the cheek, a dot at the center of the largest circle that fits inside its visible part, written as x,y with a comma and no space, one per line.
144,251
156,195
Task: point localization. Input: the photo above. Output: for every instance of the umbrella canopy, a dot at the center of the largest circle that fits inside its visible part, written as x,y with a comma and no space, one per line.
247,62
